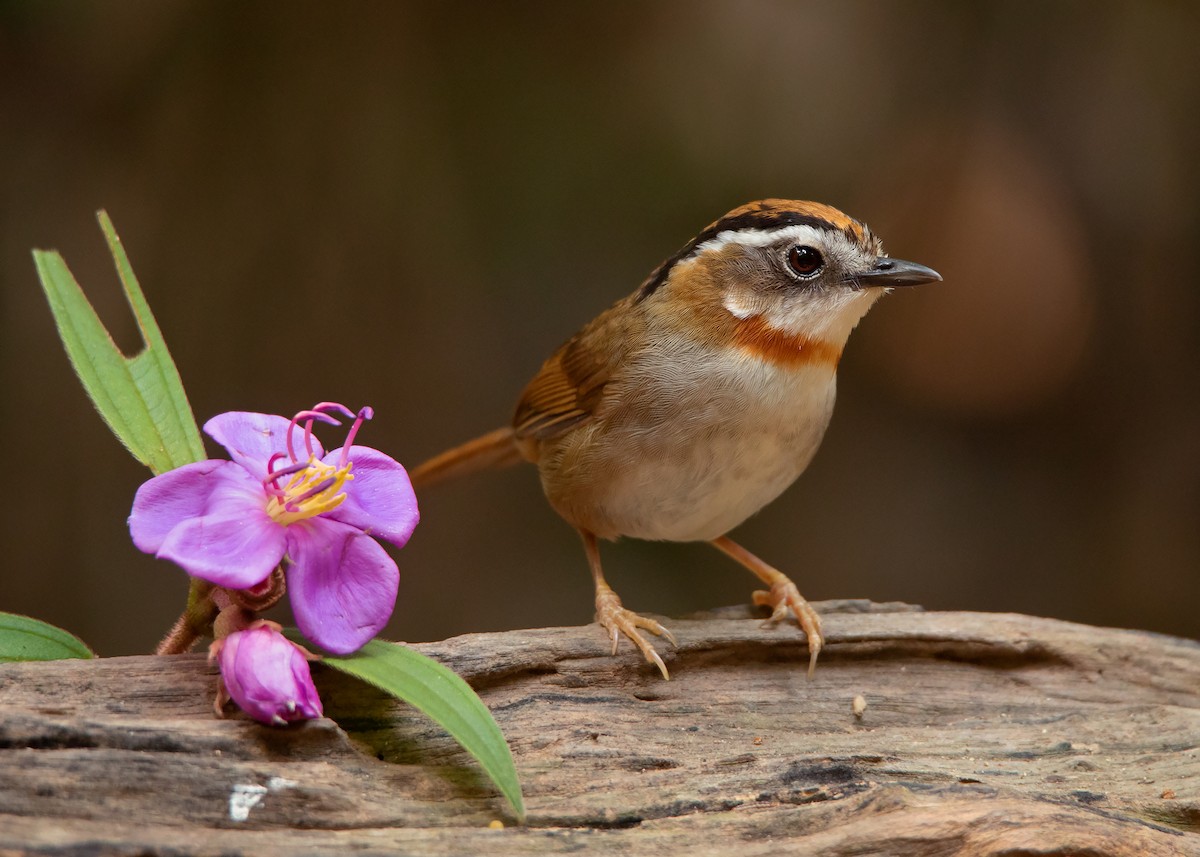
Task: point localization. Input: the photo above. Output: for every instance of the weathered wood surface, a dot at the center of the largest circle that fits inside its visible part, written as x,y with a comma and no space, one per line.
983,734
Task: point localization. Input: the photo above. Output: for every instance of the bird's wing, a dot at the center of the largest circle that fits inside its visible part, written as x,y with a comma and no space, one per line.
570,386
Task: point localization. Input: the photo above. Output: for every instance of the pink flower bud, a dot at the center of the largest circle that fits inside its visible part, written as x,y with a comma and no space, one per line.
267,676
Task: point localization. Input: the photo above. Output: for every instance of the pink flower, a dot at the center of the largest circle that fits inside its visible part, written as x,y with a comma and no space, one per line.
266,675
232,522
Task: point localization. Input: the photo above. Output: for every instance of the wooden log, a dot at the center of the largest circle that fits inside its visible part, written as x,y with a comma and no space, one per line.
981,734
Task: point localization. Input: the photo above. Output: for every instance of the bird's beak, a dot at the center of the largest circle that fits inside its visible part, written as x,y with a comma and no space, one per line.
891,273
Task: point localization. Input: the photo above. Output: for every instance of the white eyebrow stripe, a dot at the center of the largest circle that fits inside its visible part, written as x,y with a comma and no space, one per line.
761,237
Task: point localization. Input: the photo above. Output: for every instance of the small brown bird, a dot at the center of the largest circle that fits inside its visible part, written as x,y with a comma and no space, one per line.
689,405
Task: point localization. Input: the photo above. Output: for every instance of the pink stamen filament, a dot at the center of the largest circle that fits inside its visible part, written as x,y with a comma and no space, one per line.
308,417
270,483
363,415
320,411
323,407
313,414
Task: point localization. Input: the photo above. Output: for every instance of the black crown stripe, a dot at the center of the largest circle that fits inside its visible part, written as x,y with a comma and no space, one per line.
770,219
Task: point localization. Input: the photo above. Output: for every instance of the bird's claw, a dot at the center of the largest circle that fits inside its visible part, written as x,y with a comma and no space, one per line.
617,621
784,596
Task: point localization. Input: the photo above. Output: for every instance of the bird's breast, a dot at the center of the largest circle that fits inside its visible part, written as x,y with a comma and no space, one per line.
686,448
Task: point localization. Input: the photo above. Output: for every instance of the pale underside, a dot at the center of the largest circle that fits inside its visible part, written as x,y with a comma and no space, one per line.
741,430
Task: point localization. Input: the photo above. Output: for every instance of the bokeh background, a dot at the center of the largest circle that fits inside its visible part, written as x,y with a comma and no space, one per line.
410,205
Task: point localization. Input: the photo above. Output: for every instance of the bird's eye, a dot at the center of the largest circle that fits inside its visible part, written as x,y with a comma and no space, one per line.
804,261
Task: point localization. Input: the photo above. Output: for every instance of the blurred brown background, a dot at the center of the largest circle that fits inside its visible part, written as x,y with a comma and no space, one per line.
410,205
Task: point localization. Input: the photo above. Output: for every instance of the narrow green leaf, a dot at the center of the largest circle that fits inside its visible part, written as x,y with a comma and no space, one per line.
25,639
445,698
153,370
140,397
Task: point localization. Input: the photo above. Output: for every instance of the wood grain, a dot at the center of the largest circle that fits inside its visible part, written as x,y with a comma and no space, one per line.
982,734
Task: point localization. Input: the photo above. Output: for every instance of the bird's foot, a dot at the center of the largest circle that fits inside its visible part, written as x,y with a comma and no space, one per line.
780,597
784,596
617,621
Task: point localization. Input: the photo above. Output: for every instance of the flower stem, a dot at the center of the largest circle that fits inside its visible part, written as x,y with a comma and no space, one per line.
179,639
196,621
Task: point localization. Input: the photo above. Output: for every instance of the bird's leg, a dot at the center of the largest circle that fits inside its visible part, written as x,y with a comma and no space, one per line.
615,618
781,595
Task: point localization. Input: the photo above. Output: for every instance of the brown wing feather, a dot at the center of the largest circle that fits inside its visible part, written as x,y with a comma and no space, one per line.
569,387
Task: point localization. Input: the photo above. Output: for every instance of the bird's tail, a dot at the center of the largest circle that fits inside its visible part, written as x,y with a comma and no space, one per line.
495,449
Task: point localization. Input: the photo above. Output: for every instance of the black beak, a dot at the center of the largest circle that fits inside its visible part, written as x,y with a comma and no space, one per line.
891,273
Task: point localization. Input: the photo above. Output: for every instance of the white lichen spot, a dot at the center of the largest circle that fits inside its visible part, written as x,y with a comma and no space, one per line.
243,798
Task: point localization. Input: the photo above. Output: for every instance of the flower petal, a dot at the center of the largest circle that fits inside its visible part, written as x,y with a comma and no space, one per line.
236,551
341,584
253,438
379,499
191,491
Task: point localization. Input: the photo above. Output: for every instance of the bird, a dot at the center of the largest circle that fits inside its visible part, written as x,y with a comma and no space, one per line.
696,400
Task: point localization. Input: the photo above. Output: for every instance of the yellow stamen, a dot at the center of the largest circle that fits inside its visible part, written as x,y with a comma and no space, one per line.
294,506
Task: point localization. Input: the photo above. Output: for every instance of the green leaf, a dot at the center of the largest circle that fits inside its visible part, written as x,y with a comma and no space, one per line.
25,639
445,698
140,397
